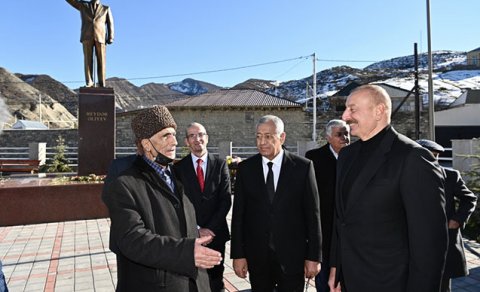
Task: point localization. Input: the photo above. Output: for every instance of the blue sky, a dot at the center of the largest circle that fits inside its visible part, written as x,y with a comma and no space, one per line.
164,38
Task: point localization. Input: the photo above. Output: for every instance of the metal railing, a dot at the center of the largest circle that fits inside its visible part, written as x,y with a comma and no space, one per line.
71,153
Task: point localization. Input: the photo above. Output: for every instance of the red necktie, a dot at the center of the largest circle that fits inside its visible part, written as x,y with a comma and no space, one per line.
200,177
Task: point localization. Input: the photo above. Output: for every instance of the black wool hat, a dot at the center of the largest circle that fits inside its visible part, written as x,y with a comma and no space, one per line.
151,121
431,145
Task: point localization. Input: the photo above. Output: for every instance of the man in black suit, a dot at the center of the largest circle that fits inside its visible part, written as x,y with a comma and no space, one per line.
390,229
207,184
460,204
325,164
276,232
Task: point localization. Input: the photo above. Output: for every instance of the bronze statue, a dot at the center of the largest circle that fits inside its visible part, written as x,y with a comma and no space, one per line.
97,31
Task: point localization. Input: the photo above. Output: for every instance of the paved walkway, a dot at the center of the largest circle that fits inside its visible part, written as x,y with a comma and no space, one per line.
74,256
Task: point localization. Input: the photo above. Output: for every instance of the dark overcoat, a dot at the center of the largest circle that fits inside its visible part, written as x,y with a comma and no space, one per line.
391,234
325,165
457,193
153,232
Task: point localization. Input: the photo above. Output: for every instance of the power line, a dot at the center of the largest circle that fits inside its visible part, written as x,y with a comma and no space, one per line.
218,70
209,71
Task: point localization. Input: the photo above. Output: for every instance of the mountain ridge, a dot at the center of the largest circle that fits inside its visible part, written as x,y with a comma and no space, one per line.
451,77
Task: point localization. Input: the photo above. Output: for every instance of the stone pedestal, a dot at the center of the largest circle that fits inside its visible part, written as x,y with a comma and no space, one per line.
96,130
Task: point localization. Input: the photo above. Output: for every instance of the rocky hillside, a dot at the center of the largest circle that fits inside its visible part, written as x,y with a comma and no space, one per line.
23,102
46,84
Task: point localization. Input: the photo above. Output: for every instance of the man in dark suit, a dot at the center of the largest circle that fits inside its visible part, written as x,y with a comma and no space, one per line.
97,31
325,164
390,229
207,184
460,204
276,232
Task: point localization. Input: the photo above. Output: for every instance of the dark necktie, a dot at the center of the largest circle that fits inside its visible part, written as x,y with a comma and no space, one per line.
200,176
270,184
167,176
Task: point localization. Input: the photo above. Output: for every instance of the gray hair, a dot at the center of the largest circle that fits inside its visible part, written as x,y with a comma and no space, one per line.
194,124
335,123
279,126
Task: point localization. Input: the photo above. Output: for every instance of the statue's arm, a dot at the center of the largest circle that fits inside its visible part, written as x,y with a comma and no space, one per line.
77,4
110,26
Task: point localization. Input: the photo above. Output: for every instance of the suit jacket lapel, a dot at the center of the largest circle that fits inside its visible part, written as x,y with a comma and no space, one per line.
191,173
258,178
210,167
342,169
370,169
285,173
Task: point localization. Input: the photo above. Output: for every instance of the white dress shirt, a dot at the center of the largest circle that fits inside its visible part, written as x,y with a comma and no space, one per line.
204,163
276,167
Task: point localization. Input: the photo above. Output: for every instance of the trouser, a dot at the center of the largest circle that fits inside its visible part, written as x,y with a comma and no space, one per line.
271,277
215,274
100,53
321,280
3,283
446,284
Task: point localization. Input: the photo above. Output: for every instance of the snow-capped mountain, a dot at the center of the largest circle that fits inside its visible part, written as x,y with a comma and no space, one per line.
192,87
450,77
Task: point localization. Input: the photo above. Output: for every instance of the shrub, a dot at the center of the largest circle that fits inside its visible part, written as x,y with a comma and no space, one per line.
59,163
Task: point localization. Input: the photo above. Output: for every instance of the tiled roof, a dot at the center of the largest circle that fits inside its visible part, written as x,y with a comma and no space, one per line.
476,50
29,125
234,98
392,91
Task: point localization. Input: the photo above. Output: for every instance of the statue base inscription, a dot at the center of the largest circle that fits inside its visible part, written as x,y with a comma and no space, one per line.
96,130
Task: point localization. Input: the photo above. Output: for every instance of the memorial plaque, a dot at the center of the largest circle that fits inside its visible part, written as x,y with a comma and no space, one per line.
96,130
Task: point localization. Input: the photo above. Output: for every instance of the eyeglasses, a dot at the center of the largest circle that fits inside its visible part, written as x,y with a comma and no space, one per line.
340,134
195,136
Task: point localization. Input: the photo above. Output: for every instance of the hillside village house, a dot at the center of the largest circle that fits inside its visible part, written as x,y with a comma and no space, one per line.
230,115
461,120
473,57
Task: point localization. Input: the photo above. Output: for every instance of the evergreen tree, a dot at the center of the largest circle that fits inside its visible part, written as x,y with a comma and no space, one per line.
59,163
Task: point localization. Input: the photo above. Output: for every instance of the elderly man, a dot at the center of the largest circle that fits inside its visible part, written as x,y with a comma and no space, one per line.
390,229
97,31
460,204
325,164
153,228
207,185
276,233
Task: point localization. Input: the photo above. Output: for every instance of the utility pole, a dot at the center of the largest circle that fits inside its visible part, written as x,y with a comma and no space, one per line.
417,95
431,103
314,131
40,107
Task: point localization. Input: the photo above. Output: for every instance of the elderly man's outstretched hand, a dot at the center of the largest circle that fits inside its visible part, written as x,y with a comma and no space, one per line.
205,257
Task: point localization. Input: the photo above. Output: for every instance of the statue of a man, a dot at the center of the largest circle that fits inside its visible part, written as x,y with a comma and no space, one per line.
97,31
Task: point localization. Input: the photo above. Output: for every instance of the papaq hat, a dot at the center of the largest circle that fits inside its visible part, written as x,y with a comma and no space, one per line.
151,121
